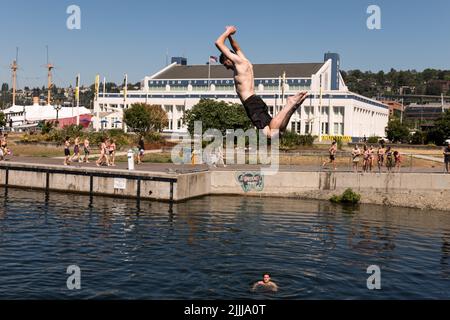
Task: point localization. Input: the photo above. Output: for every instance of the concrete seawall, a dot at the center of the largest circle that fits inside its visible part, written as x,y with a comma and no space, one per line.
415,190
418,190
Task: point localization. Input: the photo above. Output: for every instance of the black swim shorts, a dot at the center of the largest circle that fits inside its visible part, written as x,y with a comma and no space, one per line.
257,111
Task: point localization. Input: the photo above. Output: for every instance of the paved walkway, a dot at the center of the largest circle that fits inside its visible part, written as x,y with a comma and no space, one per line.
429,158
168,167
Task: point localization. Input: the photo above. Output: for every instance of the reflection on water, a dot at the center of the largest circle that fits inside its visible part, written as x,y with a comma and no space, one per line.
217,247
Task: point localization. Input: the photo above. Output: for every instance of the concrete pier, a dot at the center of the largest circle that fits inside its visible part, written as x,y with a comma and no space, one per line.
418,190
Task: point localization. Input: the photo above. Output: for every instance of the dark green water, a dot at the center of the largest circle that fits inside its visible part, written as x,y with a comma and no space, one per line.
216,248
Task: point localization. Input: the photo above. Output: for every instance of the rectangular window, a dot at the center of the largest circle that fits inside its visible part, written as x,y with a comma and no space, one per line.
225,88
307,128
299,127
293,126
200,88
157,88
325,128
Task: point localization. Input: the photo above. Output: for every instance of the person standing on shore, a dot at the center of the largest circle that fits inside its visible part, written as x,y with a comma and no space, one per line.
102,159
4,145
76,151
381,152
141,146
219,157
67,151
112,153
398,160
447,157
332,151
87,150
356,153
366,159
390,161
371,158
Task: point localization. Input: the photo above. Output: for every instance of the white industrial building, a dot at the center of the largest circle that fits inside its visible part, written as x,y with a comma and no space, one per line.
331,110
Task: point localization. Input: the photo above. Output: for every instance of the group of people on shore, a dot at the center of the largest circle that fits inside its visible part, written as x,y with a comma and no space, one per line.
383,156
107,151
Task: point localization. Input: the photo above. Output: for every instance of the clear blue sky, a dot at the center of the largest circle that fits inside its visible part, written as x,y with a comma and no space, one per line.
132,37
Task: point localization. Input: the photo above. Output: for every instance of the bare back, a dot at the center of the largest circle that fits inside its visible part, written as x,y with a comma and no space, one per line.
244,79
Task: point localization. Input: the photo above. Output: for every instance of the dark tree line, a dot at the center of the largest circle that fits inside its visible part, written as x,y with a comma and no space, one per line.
427,82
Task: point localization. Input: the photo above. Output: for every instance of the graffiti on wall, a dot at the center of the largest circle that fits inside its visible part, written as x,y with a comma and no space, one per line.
250,181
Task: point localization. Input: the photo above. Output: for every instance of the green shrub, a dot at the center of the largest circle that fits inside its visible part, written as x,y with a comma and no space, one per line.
418,137
374,140
153,137
290,139
349,196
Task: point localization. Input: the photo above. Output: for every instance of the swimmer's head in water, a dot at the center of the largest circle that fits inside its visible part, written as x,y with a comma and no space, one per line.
266,278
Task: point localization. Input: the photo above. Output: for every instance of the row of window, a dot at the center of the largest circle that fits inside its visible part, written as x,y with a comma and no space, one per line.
338,128
180,88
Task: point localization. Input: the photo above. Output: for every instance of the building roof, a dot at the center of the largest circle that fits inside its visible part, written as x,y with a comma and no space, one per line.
261,71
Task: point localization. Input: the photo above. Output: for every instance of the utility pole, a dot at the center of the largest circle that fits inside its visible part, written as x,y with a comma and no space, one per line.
401,111
320,111
49,67
77,96
14,68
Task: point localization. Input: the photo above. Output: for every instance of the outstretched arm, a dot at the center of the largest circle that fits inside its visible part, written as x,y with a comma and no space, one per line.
220,44
236,47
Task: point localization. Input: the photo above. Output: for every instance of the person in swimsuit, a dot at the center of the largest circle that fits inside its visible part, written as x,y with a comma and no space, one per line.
356,153
366,157
332,151
67,151
372,156
447,157
87,150
141,146
76,151
390,161
102,159
265,285
398,160
1,149
244,81
4,145
112,153
381,152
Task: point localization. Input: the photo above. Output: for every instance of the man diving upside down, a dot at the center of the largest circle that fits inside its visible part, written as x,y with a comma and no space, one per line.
244,81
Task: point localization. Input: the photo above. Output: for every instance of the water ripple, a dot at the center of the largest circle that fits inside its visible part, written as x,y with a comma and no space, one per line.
217,247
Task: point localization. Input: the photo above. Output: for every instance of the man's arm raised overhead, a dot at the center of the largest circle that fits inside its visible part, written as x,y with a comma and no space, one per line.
236,47
220,44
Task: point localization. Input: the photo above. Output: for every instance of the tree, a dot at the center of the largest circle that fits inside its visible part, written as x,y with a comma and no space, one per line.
143,118
217,115
2,119
158,118
441,130
397,131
